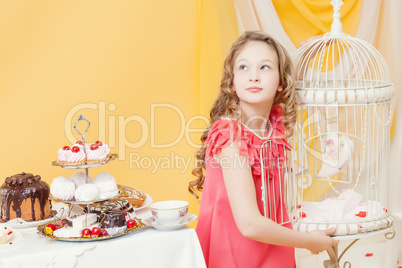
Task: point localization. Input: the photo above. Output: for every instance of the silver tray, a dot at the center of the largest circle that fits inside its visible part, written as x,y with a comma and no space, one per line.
73,202
41,230
110,158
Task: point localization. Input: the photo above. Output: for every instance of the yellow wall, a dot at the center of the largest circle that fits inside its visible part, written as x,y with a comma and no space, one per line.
111,61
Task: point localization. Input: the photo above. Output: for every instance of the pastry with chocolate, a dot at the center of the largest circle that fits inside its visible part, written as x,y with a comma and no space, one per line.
24,196
119,204
113,221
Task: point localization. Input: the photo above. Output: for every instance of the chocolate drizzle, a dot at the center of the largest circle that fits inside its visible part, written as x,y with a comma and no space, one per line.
18,188
119,204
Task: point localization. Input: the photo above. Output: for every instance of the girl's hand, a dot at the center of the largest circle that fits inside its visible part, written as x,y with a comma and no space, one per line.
321,240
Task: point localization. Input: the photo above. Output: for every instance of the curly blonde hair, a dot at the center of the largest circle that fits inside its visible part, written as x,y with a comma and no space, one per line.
226,103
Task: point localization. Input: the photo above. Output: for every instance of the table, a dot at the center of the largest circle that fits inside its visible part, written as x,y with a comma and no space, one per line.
143,248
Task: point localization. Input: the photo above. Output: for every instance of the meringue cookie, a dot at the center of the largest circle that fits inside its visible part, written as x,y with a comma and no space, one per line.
106,184
62,188
87,192
79,178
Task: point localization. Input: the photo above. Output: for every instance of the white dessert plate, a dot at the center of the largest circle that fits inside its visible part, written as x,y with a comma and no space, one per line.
110,158
189,218
148,201
20,223
15,242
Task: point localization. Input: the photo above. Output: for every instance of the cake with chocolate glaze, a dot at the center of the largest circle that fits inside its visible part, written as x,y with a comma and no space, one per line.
24,196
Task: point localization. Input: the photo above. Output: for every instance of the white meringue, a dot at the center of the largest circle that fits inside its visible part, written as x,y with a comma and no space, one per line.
106,184
62,188
79,178
87,192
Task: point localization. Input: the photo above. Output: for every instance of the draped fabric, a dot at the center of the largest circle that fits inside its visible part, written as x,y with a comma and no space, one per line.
292,21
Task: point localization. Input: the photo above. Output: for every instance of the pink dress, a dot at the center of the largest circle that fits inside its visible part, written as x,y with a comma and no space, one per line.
222,243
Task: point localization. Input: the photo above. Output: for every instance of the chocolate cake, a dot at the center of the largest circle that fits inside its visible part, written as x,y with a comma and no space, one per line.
24,196
112,219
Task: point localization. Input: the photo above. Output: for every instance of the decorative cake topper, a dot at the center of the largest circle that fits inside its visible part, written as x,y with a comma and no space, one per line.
86,130
336,27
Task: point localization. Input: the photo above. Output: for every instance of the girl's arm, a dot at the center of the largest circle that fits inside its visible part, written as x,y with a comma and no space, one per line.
242,198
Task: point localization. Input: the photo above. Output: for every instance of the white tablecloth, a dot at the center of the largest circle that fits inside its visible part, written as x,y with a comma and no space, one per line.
141,248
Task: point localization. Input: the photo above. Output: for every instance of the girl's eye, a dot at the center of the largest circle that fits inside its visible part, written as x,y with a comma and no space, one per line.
265,67
243,67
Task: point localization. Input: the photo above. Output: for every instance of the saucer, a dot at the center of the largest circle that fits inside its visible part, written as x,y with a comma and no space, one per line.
189,218
20,223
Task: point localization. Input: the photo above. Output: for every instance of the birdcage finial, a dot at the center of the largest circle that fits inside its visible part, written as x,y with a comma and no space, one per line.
336,27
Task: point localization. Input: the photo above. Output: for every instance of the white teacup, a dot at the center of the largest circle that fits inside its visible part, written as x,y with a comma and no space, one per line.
169,212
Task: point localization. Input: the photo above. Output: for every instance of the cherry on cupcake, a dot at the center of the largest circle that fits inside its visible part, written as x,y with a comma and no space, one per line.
94,146
99,143
79,142
75,149
66,148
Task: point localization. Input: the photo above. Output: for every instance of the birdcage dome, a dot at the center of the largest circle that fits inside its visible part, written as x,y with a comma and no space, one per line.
338,171
338,68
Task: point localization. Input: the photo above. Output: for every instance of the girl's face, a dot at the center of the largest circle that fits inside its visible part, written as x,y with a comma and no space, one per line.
256,74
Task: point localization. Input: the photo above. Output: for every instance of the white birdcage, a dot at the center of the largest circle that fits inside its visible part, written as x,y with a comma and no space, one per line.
338,169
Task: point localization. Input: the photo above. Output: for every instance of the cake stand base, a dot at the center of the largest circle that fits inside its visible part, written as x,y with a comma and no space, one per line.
334,259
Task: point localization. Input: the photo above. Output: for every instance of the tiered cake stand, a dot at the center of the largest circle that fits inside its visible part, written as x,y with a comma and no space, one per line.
42,228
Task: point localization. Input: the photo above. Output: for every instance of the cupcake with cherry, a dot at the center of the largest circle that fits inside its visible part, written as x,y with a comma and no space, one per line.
82,154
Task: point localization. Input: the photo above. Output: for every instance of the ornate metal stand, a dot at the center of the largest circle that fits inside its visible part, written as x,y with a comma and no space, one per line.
334,261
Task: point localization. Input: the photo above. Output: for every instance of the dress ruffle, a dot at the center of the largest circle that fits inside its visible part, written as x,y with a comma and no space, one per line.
226,131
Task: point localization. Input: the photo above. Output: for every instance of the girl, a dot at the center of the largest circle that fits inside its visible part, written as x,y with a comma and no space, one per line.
255,107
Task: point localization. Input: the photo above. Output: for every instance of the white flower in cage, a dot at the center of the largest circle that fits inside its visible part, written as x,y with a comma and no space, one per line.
338,152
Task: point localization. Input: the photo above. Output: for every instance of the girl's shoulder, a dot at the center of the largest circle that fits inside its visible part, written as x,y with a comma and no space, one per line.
223,132
223,128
